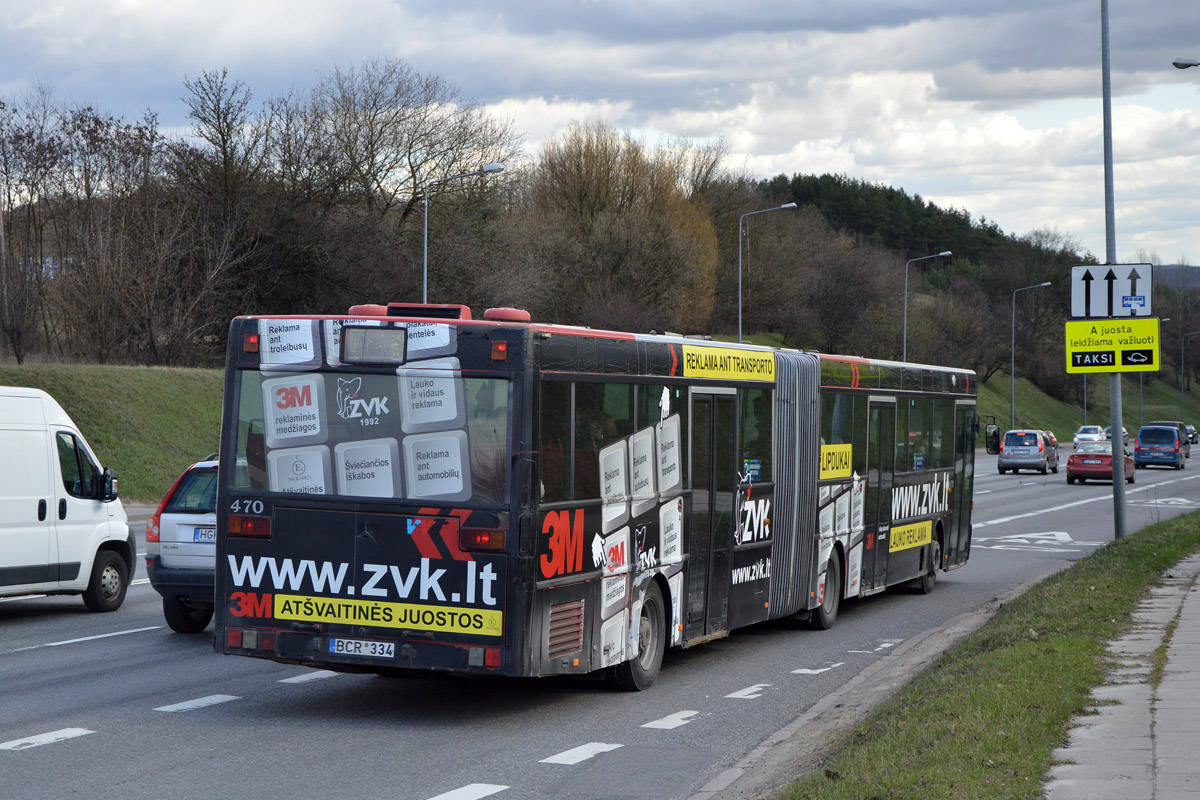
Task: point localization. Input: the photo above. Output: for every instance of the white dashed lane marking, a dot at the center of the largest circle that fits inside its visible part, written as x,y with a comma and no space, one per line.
44,738
750,692
815,671
581,753
472,791
199,702
672,721
316,675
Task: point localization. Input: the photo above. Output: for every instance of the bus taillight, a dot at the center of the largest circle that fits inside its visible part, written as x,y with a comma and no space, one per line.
246,525
249,342
499,351
480,539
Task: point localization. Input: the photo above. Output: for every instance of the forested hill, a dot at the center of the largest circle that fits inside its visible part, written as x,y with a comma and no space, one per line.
889,217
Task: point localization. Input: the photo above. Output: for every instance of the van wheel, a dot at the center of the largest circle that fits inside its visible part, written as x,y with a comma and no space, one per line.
184,617
639,672
823,615
110,579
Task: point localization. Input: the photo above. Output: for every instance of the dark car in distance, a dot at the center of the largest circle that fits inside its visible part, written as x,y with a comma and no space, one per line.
1158,445
1185,441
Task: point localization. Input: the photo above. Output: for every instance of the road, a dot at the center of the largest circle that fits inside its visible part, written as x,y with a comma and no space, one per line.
118,703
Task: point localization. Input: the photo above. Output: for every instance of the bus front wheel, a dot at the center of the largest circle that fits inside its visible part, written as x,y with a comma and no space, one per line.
823,615
640,671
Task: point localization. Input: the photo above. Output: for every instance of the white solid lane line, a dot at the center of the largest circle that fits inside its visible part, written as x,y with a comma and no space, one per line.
673,721
44,738
750,692
199,702
472,791
86,638
581,753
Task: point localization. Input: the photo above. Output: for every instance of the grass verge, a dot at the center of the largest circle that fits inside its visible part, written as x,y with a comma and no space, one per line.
148,423
984,720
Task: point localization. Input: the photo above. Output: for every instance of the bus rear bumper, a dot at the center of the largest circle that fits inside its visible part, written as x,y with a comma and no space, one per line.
318,650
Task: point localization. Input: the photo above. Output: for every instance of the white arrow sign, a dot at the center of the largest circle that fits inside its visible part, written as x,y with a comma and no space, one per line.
1110,290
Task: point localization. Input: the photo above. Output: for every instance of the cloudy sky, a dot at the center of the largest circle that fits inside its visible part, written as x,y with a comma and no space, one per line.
990,106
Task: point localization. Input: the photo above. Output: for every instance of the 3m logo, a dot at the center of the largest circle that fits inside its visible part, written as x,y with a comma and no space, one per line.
251,604
293,396
564,548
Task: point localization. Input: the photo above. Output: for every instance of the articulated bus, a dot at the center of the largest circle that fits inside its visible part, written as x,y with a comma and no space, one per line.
405,487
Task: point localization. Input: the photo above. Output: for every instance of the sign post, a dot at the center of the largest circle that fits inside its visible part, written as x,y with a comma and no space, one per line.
1114,331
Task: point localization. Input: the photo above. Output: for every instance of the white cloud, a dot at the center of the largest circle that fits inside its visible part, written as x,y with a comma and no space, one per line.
990,108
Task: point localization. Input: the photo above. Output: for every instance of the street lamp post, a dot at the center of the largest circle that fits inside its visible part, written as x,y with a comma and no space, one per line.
1012,370
1182,339
904,346
740,227
1141,379
494,167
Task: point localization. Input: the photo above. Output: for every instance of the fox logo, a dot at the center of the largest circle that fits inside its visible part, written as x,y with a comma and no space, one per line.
347,390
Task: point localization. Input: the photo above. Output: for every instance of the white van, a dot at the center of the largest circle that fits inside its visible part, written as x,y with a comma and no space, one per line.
62,528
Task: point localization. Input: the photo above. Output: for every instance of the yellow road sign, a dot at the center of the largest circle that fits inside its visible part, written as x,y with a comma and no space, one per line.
1113,345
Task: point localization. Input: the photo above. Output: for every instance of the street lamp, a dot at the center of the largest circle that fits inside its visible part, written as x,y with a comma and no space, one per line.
904,346
740,226
1141,376
1012,381
1182,339
494,167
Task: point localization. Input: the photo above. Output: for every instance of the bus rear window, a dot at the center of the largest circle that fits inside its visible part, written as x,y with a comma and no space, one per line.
428,434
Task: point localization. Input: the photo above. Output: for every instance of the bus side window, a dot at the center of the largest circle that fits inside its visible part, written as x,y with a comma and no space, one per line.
556,442
754,432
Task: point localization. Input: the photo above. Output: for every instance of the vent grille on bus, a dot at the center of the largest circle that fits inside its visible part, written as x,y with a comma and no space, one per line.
566,629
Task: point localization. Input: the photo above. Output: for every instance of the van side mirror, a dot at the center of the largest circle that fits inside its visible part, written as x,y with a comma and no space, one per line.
108,487
991,438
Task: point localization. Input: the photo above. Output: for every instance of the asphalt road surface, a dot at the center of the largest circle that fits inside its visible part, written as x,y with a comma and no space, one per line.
117,703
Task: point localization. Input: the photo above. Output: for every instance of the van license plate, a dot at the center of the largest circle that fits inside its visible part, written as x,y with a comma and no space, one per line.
362,647
204,535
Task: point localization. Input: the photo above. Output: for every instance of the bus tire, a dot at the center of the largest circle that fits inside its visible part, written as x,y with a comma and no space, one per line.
185,617
925,583
823,615
109,581
639,672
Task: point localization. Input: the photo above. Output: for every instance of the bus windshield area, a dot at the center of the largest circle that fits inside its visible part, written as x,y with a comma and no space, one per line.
427,436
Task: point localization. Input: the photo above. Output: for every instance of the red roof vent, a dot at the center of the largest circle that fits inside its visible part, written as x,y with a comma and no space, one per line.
507,314
368,310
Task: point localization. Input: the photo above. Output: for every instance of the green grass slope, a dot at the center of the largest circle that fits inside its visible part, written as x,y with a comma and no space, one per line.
147,423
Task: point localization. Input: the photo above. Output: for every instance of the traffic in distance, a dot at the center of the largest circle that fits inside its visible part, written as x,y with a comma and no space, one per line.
1165,443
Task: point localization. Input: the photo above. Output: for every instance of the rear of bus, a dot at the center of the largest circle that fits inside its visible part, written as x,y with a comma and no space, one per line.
366,513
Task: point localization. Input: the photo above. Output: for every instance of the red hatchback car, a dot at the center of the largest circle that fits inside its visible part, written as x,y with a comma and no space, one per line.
1095,460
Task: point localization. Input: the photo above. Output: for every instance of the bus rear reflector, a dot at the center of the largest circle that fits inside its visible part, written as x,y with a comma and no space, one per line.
491,656
245,525
480,539
233,637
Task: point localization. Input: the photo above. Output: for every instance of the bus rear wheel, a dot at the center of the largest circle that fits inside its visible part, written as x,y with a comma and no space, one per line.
640,671
926,582
823,615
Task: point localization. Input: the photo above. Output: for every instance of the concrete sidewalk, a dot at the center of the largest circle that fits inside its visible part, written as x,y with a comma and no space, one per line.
1142,741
